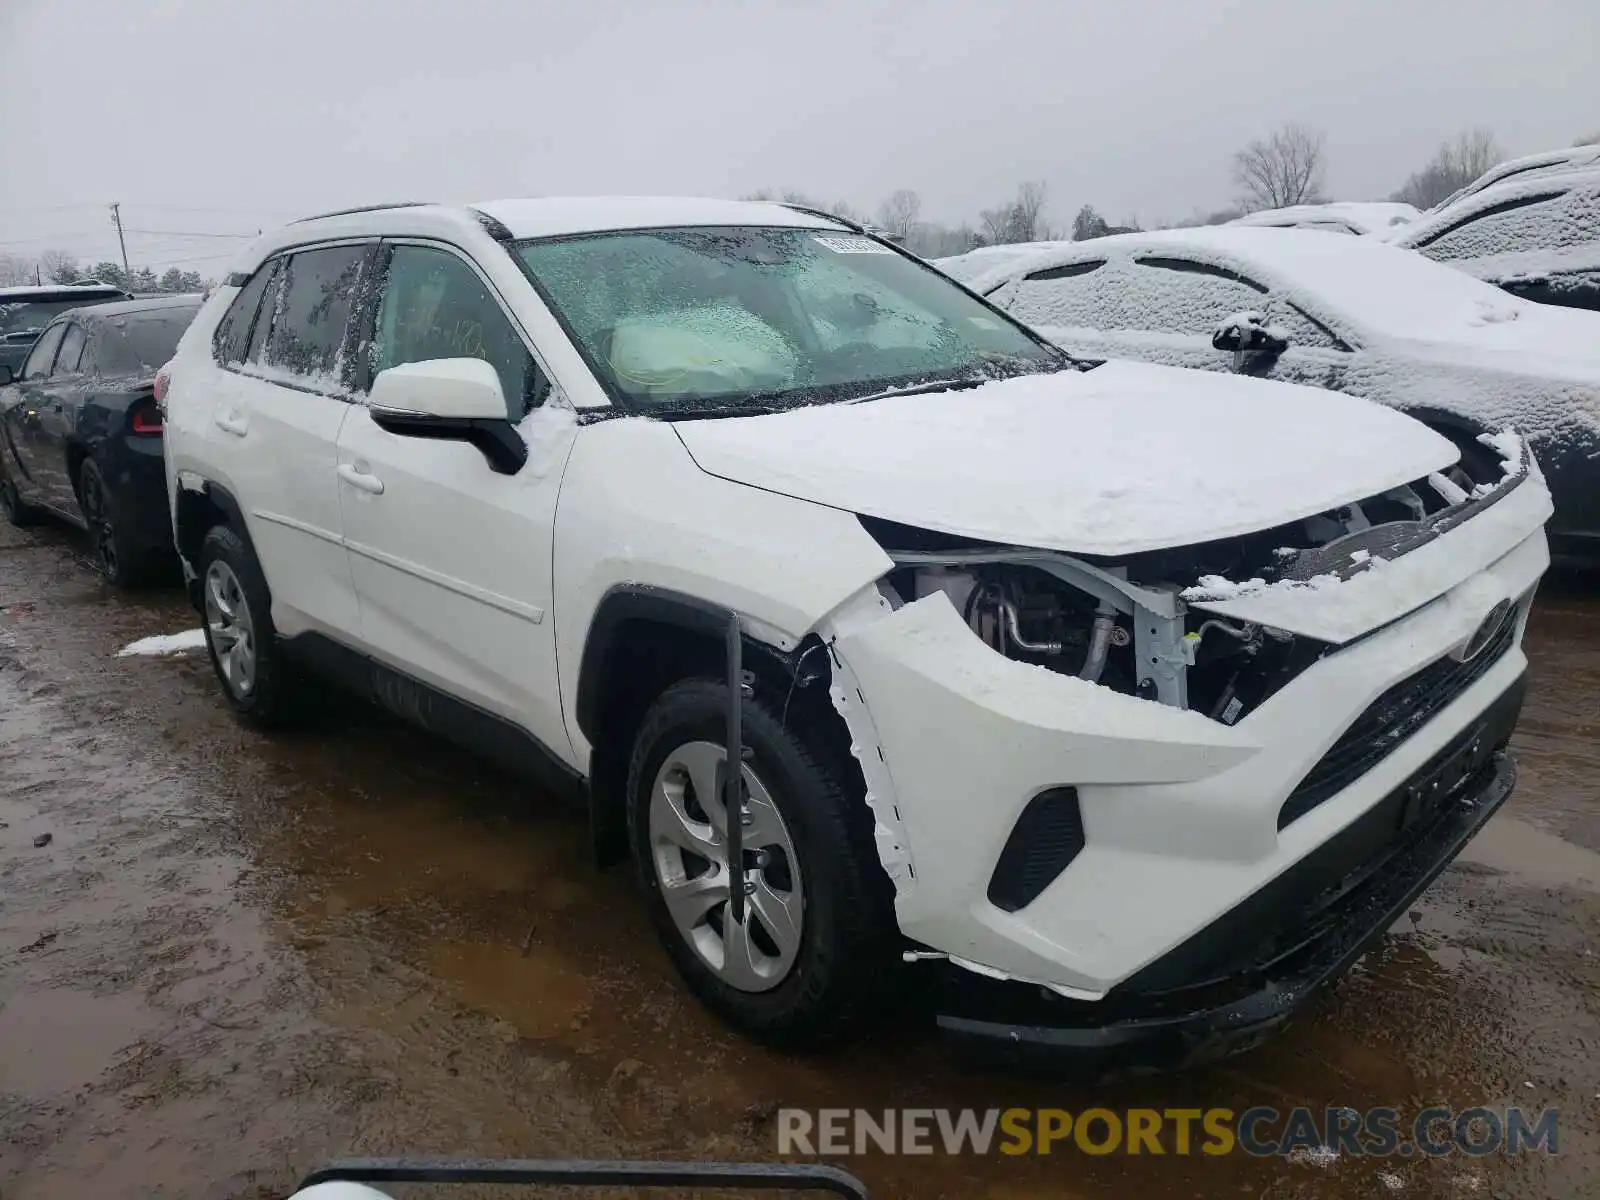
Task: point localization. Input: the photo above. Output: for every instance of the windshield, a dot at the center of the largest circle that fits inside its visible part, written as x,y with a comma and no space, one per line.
725,319
30,316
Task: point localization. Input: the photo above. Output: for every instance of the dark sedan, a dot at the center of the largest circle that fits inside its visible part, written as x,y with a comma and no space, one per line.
25,311
80,430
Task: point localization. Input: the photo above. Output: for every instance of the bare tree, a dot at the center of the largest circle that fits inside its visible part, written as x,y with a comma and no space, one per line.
1282,169
14,269
1028,221
58,266
1456,163
898,214
1088,224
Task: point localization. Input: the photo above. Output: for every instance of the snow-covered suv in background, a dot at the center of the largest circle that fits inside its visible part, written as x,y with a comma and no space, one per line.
1130,702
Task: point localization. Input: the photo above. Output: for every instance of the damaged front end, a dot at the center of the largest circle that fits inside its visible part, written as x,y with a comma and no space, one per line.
1172,793
1157,625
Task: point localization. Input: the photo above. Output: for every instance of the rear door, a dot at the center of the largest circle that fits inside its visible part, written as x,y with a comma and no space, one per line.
275,429
25,415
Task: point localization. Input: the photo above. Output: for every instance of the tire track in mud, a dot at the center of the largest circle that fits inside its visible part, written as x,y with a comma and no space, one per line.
240,955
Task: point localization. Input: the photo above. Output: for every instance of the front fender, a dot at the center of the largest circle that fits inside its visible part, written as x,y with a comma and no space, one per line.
636,513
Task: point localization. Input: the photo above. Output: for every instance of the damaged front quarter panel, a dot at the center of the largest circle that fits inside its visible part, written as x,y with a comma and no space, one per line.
955,739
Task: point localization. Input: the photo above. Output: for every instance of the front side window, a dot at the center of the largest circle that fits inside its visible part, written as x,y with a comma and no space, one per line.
435,306
716,319
1072,295
72,343
1174,295
1304,330
43,353
311,312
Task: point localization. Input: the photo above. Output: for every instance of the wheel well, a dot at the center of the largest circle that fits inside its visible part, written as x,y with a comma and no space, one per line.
639,656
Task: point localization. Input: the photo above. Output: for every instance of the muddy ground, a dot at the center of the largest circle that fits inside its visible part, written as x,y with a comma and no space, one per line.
240,955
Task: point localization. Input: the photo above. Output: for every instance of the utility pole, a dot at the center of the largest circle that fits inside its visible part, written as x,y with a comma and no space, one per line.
116,219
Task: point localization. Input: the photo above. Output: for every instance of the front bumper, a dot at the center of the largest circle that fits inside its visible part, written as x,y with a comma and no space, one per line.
1233,983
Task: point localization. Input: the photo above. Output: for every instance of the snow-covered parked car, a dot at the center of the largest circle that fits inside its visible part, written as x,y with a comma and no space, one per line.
1362,218
1351,314
1536,237
1529,166
1131,703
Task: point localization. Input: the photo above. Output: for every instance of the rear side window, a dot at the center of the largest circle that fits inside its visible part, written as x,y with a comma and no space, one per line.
312,311
232,340
72,343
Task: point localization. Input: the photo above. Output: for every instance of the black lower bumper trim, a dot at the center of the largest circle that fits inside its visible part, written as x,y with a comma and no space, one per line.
1297,933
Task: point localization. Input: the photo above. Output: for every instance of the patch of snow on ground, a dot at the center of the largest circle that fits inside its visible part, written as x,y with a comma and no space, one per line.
165,643
1317,1156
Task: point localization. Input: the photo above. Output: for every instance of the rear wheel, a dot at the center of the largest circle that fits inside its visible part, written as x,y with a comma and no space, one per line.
245,651
121,560
816,953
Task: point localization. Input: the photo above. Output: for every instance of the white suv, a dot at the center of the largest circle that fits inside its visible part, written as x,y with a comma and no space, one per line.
1128,703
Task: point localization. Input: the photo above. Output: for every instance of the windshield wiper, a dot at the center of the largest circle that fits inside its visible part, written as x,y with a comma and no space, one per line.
965,383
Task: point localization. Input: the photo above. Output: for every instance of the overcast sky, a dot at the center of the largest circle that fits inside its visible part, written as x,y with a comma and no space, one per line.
221,116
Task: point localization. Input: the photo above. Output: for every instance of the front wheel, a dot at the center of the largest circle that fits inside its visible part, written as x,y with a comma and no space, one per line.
18,511
816,954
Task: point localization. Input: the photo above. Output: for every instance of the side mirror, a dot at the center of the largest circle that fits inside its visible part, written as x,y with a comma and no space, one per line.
7,376
449,399
1249,333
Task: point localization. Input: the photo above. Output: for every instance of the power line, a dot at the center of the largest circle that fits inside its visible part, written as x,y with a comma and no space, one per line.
183,234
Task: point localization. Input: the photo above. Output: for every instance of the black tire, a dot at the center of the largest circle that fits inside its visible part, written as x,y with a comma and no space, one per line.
274,697
123,561
847,971
18,511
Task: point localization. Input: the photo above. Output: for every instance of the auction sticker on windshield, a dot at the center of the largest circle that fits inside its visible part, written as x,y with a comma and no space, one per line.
847,243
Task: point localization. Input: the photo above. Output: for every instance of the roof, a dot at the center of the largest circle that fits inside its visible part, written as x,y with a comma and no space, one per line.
548,216
1365,216
129,308
60,291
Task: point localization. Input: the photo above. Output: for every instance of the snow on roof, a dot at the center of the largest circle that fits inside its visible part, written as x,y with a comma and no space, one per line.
1359,215
1366,282
966,267
552,216
56,291
1532,166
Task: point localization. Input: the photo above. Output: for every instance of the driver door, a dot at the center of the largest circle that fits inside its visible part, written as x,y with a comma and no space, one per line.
26,419
451,561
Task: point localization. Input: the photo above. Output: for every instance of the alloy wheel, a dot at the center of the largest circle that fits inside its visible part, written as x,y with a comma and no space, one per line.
230,628
689,850
101,534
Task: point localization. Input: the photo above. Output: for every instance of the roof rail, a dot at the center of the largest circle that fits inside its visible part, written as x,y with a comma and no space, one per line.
365,208
826,216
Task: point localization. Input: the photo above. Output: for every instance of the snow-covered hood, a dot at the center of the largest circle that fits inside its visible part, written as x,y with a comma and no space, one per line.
1121,459
1530,339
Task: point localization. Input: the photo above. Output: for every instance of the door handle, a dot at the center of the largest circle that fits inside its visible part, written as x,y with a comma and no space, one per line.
231,423
360,479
